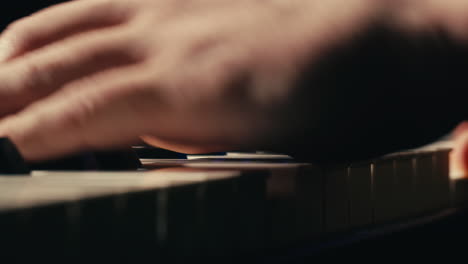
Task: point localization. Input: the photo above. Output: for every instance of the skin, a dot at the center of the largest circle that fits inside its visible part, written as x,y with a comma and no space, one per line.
191,76
459,155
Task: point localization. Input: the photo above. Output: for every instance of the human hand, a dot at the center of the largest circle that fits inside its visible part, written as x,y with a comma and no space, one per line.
459,154
191,76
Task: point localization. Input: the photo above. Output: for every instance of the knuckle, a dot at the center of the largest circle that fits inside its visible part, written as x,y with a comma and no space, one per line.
132,44
118,9
15,26
34,78
78,115
230,79
132,47
19,33
74,117
124,45
94,52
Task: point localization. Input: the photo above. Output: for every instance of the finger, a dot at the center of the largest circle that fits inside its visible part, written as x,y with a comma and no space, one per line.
58,22
40,73
459,156
97,113
460,129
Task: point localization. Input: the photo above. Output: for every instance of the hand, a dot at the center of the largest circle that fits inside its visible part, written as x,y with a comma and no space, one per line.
191,76
459,155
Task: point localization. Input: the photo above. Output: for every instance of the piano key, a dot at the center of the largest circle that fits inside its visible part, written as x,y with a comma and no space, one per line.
336,200
155,202
459,192
45,233
425,181
140,220
11,161
309,200
117,160
96,214
251,202
209,199
360,195
13,241
98,224
294,204
191,216
184,221
77,162
219,218
149,152
114,160
385,192
281,207
281,201
405,201
73,215
442,176
148,215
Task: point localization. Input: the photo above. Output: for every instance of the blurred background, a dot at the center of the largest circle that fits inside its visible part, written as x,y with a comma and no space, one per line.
13,10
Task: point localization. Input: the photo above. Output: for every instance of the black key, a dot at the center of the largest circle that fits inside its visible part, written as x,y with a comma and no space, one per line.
336,199
12,242
309,195
115,160
77,162
44,233
360,195
11,161
183,225
97,229
251,211
140,240
149,152
385,192
219,218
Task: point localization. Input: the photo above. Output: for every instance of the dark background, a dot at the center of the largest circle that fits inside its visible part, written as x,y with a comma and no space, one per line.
13,10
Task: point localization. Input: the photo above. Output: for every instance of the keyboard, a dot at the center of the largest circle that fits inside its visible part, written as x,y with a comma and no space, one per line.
233,206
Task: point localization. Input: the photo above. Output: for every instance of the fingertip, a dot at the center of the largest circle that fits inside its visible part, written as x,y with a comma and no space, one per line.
459,156
460,129
4,126
22,129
